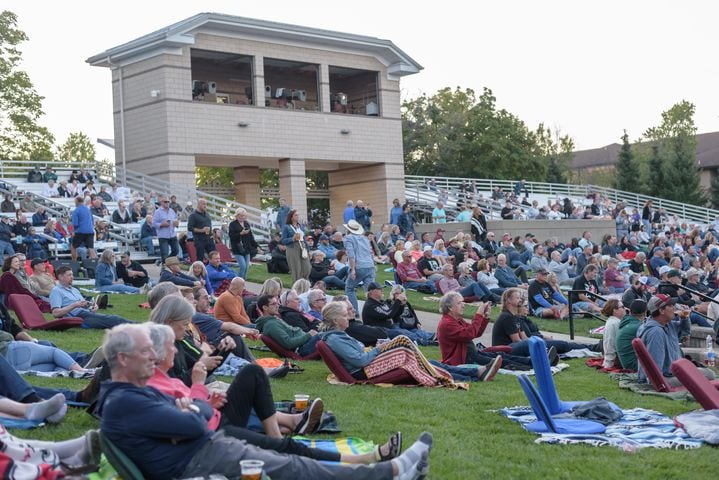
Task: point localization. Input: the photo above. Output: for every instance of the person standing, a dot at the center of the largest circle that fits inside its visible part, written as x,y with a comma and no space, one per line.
363,215
349,211
242,241
282,214
200,224
361,261
293,238
395,212
84,229
165,220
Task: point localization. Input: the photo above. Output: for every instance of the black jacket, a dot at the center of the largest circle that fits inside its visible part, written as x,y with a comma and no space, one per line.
242,244
381,314
295,318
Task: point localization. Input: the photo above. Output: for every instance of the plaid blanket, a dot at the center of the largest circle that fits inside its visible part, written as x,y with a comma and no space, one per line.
401,352
638,428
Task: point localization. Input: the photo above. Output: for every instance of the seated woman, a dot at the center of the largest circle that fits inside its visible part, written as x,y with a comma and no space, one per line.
415,250
614,311
440,252
24,356
51,231
383,358
320,269
450,284
15,280
250,390
199,272
106,279
407,319
377,254
484,276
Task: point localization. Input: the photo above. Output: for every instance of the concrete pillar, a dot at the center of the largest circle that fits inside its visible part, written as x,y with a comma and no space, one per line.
325,88
293,185
247,186
177,169
376,185
258,81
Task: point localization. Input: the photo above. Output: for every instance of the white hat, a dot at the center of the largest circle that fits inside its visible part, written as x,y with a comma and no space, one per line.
353,226
664,269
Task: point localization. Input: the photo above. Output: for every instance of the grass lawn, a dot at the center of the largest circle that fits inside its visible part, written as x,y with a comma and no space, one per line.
472,441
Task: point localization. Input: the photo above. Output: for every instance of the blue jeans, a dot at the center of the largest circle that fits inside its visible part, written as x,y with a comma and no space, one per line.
32,356
99,320
478,290
415,285
459,374
310,347
421,337
147,242
522,348
117,288
697,319
365,275
333,282
169,247
243,263
6,247
14,387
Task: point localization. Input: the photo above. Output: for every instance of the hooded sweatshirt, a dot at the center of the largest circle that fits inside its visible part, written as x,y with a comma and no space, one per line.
276,328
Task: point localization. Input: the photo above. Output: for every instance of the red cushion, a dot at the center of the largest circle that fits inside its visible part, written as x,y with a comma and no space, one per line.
395,377
704,391
282,352
32,318
651,369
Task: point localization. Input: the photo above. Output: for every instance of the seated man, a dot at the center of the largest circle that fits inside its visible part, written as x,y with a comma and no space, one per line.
173,273
563,270
587,282
230,306
316,300
291,338
214,330
507,277
291,312
672,287
429,266
67,301
513,328
628,332
131,272
217,271
385,314
637,289
545,301
321,270
411,277
146,425
41,281
662,334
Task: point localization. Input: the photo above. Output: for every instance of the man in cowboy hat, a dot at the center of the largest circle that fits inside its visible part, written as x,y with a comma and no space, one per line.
361,261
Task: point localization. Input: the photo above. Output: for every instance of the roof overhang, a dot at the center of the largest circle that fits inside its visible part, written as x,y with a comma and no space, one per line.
173,38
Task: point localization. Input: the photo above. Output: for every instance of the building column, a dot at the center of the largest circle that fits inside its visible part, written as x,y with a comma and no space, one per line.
293,185
376,185
258,81
247,186
325,88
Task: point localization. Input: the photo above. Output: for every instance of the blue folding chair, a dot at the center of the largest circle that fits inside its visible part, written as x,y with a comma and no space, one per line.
545,380
545,422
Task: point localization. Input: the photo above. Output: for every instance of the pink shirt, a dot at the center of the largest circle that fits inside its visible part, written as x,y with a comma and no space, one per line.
175,388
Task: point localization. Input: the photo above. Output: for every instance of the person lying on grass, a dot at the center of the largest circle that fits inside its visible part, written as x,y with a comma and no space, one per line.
367,364
250,392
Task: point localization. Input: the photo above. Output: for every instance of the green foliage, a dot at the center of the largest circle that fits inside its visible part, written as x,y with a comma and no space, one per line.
454,133
673,173
714,192
556,151
627,168
77,148
20,105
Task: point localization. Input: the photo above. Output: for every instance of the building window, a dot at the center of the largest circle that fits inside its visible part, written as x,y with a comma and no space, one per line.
219,77
291,84
353,91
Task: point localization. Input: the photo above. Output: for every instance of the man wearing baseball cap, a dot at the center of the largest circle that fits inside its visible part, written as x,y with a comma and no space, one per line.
662,333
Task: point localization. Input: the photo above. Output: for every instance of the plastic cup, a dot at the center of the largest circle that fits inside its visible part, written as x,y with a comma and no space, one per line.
301,401
251,469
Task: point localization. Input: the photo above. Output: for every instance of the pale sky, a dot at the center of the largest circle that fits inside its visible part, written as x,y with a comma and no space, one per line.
588,69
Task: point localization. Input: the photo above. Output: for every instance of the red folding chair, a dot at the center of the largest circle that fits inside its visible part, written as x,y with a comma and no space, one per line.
282,352
225,253
395,377
32,318
704,391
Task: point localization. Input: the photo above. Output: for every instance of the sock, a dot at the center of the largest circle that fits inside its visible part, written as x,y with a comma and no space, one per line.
46,408
410,458
418,470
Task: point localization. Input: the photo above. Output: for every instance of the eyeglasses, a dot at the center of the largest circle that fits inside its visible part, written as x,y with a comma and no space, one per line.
273,304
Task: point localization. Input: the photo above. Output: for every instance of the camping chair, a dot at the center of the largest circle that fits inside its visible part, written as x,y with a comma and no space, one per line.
74,265
32,318
545,380
282,352
704,391
545,423
395,377
653,372
126,468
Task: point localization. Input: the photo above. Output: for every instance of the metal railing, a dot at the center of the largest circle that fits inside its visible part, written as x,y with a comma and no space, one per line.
691,213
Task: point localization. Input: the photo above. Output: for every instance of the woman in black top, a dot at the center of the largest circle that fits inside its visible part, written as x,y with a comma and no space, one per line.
242,241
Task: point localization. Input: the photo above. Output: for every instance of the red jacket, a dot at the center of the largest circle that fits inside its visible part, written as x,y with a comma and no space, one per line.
454,334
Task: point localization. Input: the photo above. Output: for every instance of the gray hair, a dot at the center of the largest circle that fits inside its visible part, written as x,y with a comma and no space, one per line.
270,287
447,301
119,340
106,256
160,335
160,291
332,312
314,295
287,296
172,308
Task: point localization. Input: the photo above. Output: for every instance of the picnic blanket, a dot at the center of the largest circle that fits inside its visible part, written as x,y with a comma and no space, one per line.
401,352
598,363
580,353
556,369
638,428
348,445
87,374
630,382
702,424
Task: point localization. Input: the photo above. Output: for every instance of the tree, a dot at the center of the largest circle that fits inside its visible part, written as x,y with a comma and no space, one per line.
77,148
556,151
20,105
714,192
656,177
675,140
627,168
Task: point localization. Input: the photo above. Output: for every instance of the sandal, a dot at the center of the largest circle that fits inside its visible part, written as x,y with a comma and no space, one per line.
395,447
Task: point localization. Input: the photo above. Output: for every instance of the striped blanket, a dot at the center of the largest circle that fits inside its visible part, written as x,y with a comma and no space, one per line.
638,428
